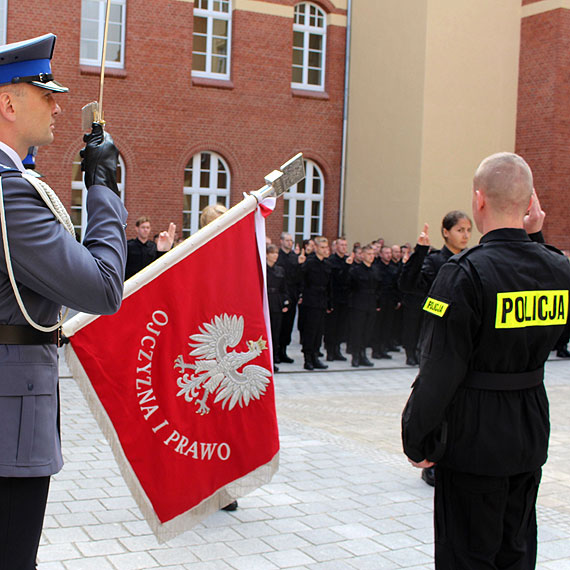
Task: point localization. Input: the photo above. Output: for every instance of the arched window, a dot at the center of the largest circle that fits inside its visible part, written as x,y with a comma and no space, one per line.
211,47
303,206
309,47
79,195
206,182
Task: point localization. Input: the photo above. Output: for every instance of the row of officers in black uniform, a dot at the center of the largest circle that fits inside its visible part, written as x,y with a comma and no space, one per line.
371,298
340,298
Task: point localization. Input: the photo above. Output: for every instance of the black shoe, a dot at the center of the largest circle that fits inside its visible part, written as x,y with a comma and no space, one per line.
275,369
376,355
411,361
330,357
339,356
276,359
355,362
563,353
428,475
384,355
308,364
318,365
231,507
284,358
365,362
320,354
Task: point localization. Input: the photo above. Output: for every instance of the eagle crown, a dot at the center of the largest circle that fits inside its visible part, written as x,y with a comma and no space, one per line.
257,346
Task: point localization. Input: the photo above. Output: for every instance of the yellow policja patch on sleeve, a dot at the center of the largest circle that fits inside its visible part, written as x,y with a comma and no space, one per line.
435,307
520,309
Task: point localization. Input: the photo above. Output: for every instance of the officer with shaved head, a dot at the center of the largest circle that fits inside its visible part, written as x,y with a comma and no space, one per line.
478,409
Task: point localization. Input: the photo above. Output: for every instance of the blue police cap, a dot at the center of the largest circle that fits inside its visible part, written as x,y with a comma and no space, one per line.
29,62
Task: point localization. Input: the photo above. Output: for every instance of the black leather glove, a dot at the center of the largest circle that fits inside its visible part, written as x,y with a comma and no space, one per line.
100,157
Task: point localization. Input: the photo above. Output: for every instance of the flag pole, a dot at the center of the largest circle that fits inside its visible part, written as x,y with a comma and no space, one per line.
277,182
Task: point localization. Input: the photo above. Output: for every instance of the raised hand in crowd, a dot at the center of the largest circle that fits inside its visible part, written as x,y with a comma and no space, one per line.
166,238
423,238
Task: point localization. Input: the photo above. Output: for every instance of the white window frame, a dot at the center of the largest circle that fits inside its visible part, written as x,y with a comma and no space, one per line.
80,185
307,198
101,31
3,21
307,30
195,190
212,14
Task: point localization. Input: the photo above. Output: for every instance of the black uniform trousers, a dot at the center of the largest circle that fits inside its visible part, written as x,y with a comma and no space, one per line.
411,326
287,323
361,326
383,327
483,522
313,319
276,318
22,508
335,327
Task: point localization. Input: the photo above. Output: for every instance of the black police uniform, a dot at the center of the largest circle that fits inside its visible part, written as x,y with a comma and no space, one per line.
363,301
416,277
290,263
336,322
278,300
139,255
478,406
316,294
420,270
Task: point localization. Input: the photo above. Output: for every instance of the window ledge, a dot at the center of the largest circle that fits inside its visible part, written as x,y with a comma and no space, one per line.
96,70
308,94
208,82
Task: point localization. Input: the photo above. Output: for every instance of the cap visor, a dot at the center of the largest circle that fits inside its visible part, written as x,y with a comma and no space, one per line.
51,85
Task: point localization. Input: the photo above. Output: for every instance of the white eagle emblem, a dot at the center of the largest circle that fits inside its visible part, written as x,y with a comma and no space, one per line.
216,368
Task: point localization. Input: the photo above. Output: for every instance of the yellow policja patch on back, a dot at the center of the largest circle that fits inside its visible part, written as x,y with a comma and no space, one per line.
435,307
520,309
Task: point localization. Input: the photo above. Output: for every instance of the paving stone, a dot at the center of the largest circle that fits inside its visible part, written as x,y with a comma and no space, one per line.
344,497
289,558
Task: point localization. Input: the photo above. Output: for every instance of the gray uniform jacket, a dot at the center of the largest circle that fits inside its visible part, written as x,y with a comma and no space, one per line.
51,269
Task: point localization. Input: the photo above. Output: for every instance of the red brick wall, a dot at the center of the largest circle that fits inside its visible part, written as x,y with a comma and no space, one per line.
543,117
159,119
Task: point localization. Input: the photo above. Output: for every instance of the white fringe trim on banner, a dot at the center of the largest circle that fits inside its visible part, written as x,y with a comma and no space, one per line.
185,521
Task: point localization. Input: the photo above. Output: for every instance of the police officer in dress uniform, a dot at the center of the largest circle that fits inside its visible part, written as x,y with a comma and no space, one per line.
50,268
478,407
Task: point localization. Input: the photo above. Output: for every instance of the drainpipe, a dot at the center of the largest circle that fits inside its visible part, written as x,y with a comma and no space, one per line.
344,121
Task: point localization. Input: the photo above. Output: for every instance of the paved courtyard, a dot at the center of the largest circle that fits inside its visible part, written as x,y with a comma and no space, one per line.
344,496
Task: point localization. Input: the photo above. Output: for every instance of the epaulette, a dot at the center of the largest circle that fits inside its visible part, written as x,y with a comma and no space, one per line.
552,248
466,252
8,169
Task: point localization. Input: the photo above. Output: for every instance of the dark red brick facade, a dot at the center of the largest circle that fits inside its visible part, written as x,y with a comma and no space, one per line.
543,115
159,118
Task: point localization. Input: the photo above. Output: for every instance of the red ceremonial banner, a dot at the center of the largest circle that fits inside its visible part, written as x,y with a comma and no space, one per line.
183,377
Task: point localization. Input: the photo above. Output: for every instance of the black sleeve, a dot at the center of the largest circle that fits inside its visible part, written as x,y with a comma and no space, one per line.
446,348
412,278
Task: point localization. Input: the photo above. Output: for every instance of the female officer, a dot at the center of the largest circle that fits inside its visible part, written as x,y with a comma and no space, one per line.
417,276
